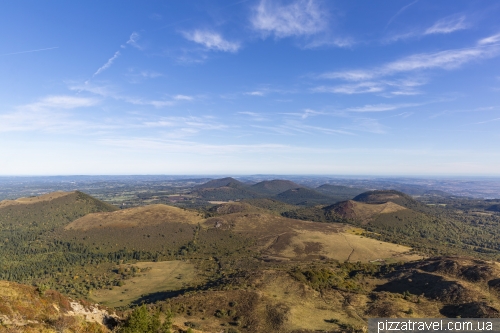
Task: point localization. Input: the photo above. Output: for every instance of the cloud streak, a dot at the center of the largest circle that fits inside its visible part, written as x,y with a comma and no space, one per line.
447,25
134,37
107,64
369,80
30,51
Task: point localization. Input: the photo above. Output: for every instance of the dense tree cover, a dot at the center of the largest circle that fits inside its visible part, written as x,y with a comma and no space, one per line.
431,229
143,321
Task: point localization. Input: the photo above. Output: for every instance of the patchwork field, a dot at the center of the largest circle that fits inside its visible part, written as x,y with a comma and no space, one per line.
151,277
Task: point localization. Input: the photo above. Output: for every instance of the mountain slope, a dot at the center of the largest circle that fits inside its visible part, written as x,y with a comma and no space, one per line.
273,187
339,193
303,196
223,182
28,309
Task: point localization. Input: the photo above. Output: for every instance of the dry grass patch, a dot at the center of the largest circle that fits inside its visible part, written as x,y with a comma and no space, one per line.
154,277
32,200
307,244
366,212
137,216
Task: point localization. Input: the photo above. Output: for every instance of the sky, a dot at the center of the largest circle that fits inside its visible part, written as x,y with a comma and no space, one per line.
407,87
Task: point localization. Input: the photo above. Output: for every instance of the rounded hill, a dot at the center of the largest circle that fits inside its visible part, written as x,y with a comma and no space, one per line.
137,216
274,187
303,196
223,182
383,196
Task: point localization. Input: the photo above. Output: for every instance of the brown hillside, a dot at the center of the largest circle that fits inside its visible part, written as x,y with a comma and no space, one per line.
329,297
363,212
280,238
32,200
28,309
137,216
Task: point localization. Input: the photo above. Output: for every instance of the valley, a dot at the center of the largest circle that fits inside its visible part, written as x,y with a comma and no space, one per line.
251,257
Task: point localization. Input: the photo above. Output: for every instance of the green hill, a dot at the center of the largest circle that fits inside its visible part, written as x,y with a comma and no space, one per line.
339,193
225,193
224,189
273,187
428,228
29,250
303,197
272,205
400,198
223,182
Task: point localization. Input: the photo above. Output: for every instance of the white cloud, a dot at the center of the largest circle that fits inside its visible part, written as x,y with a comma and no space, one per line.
449,59
150,74
345,42
349,89
60,102
447,25
255,93
108,63
254,115
46,114
490,40
381,107
300,18
212,40
152,102
134,37
183,98
306,114
354,75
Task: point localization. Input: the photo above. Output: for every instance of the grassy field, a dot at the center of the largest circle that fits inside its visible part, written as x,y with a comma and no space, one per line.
306,244
137,216
151,277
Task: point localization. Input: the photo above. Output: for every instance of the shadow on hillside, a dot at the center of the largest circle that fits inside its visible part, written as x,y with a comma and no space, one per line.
163,295
160,296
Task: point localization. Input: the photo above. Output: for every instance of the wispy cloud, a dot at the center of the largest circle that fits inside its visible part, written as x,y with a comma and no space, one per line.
349,89
369,79
443,26
255,93
488,121
30,51
212,40
183,98
447,25
108,92
381,107
399,12
495,39
305,114
254,115
107,64
300,18
46,114
150,74
134,37
60,102
449,59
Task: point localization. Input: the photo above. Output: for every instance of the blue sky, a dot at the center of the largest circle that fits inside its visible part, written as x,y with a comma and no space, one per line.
247,87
